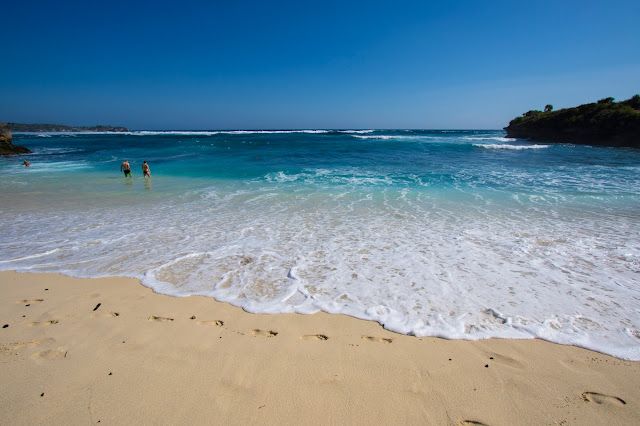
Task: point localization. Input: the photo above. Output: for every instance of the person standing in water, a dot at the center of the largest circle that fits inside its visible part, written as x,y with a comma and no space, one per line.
26,163
126,168
145,170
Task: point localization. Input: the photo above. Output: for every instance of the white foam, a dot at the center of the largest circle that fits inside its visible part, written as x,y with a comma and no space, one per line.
398,137
175,132
67,134
58,166
510,146
225,132
486,138
382,137
419,269
33,256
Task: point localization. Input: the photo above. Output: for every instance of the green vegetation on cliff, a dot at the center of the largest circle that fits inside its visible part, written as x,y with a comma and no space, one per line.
18,127
605,122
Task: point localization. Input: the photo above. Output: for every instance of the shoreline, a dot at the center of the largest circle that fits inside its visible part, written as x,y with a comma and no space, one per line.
111,350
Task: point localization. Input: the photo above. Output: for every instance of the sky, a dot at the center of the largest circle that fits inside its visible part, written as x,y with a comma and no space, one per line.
373,64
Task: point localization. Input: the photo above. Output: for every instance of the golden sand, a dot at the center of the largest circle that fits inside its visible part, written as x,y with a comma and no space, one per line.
88,351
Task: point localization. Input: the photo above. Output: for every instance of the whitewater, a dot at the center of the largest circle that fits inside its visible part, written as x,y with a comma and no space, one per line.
454,234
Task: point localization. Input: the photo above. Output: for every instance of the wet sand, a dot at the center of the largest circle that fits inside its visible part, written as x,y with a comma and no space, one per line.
88,351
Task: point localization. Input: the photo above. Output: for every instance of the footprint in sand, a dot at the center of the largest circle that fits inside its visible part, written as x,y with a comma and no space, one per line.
264,333
314,337
160,319
29,301
501,359
37,324
106,315
384,340
599,398
20,345
212,322
50,354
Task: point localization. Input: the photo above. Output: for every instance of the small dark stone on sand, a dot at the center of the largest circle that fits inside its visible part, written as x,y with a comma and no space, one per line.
46,289
449,359
123,341
27,304
490,357
97,306
24,316
220,337
42,394
486,366
193,317
110,373
5,326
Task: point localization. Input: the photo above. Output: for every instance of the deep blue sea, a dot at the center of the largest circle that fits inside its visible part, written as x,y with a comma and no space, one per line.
457,234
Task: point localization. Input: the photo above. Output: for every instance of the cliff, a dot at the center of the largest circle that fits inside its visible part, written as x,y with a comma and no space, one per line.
606,123
6,147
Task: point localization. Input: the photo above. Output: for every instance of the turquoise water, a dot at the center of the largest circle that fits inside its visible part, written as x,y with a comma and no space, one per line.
458,234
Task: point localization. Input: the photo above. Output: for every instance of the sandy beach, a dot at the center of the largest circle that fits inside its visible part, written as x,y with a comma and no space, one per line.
88,351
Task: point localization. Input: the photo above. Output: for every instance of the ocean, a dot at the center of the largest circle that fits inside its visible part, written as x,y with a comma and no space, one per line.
454,234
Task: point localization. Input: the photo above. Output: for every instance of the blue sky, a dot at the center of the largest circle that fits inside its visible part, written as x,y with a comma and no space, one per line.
284,64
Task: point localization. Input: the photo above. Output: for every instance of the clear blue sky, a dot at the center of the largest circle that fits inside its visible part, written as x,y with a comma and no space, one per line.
295,64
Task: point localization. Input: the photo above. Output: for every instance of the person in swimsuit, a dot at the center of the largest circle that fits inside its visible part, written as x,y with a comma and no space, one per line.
145,170
126,168
26,163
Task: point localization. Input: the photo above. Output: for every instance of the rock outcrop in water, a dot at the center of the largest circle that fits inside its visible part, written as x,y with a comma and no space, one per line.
605,123
6,147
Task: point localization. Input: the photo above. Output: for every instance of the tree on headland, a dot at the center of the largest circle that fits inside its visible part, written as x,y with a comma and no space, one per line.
606,101
548,108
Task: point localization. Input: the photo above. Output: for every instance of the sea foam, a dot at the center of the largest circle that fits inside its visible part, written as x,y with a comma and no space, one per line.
509,146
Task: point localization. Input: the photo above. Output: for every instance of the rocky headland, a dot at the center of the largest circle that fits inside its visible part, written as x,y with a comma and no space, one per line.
605,123
6,147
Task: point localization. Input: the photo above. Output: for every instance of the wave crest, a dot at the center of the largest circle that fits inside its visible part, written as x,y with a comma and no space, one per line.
509,146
